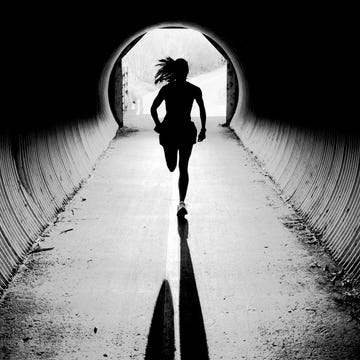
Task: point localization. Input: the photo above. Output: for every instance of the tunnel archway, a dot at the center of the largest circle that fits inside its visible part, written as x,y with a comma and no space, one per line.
111,83
315,165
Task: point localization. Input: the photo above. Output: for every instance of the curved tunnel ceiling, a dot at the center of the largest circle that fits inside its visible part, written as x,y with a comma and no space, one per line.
291,62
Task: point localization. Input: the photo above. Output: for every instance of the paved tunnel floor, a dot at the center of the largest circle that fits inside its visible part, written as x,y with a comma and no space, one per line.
126,280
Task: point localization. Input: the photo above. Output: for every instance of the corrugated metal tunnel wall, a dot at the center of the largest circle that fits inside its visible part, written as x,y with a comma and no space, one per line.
307,139
318,172
39,173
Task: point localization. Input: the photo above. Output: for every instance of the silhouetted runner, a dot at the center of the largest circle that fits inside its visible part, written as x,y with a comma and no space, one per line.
177,132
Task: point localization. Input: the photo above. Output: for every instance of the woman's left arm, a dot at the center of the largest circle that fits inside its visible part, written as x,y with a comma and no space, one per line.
200,102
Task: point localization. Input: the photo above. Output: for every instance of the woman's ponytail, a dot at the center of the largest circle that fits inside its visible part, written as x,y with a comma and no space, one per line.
167,70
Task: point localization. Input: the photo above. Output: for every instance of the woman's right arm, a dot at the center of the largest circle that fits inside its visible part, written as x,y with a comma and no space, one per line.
153,110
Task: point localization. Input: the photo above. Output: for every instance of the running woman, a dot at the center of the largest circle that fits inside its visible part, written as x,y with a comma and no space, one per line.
177,132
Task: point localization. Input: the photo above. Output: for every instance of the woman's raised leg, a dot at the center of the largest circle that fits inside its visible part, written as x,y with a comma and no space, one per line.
171,157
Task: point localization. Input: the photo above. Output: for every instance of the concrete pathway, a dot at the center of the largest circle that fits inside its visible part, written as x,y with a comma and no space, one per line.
126,280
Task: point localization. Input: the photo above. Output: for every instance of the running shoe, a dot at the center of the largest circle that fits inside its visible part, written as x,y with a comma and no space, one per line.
181,209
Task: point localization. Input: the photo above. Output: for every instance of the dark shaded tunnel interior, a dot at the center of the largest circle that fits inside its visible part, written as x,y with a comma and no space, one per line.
297,119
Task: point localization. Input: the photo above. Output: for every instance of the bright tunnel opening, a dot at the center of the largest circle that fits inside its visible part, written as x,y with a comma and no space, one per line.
207,70
129,75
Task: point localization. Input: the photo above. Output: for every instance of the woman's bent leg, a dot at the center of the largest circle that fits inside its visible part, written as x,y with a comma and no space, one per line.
184,156
171,157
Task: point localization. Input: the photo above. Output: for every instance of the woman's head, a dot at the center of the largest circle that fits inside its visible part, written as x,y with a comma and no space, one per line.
172,70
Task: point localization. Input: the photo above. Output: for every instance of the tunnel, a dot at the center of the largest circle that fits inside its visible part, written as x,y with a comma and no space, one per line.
294,118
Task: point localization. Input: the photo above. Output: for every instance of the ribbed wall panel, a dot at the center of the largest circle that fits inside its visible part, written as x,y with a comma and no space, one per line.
319,174
39,172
